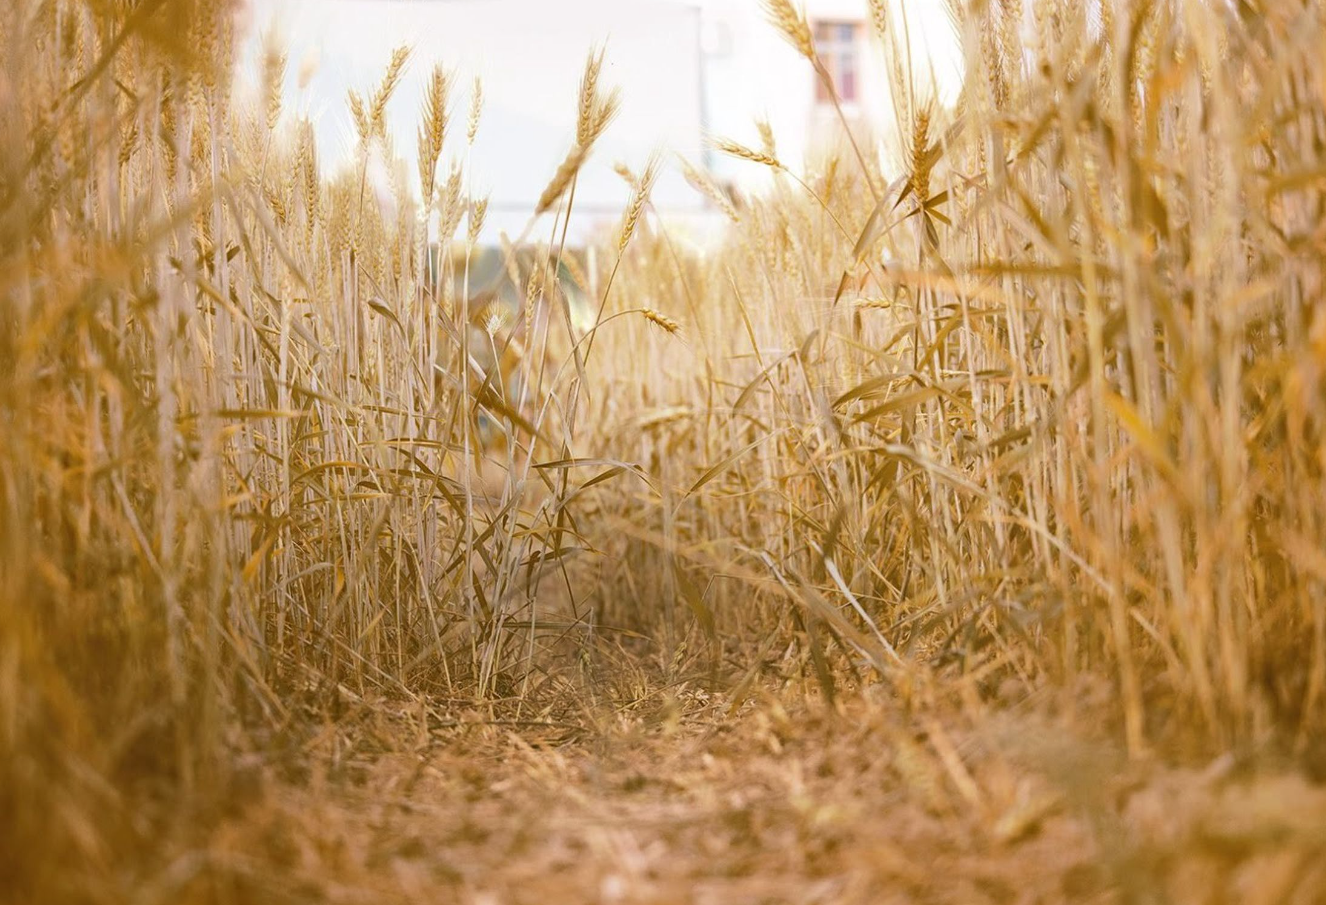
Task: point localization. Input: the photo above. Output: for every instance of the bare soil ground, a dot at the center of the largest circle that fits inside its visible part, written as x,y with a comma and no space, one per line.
784,798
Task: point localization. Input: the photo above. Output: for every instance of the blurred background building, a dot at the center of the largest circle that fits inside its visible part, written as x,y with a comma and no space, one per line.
687,69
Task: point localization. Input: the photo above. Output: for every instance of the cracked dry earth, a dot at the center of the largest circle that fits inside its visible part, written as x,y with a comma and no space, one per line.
781,802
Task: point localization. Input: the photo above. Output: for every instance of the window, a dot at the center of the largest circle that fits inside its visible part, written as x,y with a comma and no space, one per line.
837,44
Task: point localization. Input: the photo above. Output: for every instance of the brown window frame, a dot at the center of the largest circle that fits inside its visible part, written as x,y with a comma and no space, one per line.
841,55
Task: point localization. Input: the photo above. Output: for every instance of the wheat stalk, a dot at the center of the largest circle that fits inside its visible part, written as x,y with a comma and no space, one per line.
273,80
561,179
432,132
476,110
478,211
661,320
635,207
791,24
377,108
703,184
738,150
921,158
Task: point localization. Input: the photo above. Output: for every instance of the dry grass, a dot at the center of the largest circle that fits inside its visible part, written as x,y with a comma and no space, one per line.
955,540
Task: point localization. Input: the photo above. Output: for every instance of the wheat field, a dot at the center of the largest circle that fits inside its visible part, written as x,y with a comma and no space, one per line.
952,529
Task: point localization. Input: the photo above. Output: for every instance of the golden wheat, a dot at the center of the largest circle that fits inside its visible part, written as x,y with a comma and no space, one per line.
1033,506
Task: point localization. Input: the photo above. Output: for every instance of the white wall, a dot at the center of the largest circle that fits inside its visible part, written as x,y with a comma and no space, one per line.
753,72
685,67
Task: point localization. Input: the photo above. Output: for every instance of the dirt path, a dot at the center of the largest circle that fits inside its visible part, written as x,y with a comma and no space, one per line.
688,806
